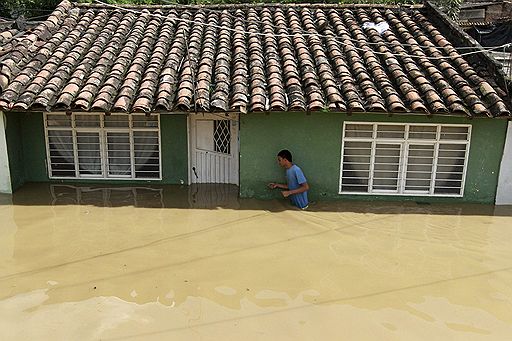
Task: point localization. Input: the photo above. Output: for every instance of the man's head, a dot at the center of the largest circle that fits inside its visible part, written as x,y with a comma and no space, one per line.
284,158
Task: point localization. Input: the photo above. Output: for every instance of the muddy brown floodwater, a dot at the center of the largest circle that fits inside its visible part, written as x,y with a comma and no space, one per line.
196,263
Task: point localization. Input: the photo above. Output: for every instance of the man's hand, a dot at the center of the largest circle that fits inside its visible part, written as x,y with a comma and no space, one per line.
286,194
272,185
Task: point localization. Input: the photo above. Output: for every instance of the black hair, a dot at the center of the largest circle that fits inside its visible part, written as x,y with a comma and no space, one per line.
285,154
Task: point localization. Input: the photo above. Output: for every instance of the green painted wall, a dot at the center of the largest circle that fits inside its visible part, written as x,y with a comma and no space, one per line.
34,151
314,139
15,150
315,142
174,149
27,151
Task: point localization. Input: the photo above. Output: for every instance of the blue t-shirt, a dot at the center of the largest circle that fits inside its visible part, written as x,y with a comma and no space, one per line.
295,177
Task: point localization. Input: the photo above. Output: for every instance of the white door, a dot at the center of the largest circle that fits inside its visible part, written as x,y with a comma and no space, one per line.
213,148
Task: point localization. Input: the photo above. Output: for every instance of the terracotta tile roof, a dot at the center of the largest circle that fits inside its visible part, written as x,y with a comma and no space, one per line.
7,39
305,57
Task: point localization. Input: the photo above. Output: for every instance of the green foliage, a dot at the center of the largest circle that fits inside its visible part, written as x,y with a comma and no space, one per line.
129,2
38,8
27,8
450,7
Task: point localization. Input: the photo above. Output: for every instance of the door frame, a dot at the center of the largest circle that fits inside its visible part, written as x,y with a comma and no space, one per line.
235,118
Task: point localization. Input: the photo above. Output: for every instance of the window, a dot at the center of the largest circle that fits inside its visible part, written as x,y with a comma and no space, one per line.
405,159
97,146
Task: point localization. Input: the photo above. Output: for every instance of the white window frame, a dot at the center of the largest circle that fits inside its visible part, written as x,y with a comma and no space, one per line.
102,130
405,141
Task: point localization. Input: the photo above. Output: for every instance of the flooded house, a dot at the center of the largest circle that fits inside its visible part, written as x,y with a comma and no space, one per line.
374,101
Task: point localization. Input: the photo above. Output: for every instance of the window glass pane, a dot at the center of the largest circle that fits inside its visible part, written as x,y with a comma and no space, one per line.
359,130
386,166
419,167
146,154
449,169
119,154
457,151
89,157
60,149
422,132
58,120
446,187
355,185
117,121
356,166
387,131
87,120
449,165
143,121
454,133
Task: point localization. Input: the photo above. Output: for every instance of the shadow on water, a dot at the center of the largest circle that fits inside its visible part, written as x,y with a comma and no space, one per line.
218,196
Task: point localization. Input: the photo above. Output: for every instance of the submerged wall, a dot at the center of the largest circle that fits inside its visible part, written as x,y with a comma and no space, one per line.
27,151
15,150
314,139
315,142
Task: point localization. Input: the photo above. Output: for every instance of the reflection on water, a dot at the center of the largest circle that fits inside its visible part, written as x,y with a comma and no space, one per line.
213,195
106,196
198,263
206,196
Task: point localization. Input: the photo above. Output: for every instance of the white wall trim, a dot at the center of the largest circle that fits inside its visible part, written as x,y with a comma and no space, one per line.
504,191
5,174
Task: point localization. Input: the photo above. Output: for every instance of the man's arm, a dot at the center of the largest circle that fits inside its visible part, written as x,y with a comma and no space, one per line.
303,188
276,185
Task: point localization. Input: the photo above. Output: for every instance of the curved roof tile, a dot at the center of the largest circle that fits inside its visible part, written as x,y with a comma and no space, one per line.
349,58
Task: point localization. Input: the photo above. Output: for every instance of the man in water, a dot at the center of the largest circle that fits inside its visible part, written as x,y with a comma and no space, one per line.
297,187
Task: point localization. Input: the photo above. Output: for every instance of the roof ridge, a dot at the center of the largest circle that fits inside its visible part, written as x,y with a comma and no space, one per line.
250,6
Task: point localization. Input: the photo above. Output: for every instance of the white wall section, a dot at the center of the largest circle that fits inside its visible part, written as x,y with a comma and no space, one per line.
5,174
504,192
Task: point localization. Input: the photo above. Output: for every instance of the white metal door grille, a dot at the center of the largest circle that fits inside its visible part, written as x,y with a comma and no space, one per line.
222,136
